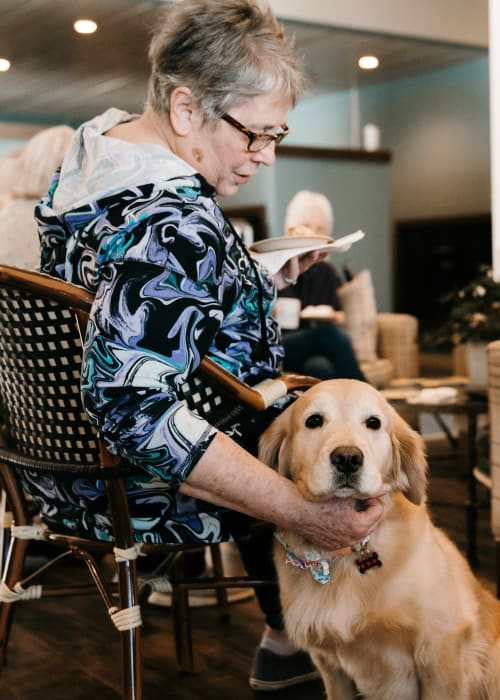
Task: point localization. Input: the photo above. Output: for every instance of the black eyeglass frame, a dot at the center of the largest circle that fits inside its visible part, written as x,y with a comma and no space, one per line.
253,136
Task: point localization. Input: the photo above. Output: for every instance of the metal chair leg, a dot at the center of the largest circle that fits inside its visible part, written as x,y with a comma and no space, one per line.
182,628
11,576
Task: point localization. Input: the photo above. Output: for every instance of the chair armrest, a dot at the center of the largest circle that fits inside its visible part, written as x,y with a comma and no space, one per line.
261,395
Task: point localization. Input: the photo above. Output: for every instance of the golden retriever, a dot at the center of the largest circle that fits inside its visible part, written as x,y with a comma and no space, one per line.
409,622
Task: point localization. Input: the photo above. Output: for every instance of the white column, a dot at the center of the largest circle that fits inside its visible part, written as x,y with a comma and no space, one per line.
494,70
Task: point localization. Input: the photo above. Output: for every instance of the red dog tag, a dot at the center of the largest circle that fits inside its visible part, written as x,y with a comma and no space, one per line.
367,561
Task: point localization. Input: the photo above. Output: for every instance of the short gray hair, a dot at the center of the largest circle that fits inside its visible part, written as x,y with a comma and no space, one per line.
225,51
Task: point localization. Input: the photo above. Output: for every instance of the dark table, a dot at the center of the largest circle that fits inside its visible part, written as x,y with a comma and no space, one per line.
471,406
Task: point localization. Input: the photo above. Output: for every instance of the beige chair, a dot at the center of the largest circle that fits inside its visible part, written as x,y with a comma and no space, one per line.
494,411
386,344
396,349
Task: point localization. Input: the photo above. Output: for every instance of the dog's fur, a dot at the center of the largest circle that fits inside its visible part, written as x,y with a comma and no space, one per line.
421,627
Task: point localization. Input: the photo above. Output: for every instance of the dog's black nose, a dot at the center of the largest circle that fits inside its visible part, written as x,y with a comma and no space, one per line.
347,459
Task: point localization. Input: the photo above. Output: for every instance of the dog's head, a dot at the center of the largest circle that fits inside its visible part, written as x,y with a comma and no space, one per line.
342,438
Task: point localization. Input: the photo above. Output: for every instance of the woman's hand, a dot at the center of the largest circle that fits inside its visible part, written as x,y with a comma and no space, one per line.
290,272
339,317
339,522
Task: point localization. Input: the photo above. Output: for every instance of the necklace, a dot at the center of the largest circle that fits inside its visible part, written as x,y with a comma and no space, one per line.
263,345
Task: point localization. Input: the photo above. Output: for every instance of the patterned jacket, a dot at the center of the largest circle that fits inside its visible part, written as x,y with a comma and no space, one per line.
172,283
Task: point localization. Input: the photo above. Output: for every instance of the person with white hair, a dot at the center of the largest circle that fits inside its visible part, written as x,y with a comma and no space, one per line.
325,350
310,209
25,174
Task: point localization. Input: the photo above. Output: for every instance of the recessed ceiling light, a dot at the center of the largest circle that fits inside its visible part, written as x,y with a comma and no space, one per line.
368,62
4,64
85,26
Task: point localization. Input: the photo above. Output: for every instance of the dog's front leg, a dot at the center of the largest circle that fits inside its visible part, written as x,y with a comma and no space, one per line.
338,685
454,667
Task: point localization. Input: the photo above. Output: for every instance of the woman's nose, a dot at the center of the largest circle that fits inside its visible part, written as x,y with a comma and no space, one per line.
267,155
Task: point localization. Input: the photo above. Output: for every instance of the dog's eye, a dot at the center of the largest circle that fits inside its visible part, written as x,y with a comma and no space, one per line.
314,421
373,423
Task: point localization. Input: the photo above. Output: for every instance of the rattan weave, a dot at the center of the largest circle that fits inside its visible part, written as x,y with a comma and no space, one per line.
40,351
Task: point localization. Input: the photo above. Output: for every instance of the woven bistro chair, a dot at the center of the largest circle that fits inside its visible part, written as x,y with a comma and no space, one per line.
46,432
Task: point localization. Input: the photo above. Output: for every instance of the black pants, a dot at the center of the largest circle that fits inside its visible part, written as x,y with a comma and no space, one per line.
324,351
257,558
256,548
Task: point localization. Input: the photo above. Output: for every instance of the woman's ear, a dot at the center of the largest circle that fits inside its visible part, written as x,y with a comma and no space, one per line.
183,110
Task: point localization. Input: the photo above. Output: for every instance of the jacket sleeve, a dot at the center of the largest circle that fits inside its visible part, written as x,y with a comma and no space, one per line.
158,306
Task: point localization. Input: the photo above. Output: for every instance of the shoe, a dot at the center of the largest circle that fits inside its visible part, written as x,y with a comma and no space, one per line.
158,591
272,671
202,598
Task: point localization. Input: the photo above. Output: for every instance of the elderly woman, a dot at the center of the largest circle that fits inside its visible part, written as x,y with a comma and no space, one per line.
324,351
133,217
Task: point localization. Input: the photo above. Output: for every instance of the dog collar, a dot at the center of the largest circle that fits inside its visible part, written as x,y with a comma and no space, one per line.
320,567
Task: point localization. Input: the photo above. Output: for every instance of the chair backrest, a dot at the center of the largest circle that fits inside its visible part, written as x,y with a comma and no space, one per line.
41,320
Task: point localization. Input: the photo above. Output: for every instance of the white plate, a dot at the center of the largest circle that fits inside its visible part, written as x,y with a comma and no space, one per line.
341,245
269,245
316,313
275,252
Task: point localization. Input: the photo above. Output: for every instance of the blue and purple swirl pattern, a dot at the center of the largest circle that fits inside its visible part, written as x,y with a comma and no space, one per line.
172,283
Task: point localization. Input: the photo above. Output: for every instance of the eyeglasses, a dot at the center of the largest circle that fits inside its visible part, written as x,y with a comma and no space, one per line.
256,141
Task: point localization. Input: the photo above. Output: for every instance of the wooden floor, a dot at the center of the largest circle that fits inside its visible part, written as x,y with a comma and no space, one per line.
67,650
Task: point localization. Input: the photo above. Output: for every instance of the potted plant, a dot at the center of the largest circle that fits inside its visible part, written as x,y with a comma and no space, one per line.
474,320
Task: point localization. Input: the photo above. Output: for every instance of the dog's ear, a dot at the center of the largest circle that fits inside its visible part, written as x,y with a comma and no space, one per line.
409,469
273,444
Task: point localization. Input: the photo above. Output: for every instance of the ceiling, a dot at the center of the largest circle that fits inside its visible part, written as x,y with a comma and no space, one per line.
60,76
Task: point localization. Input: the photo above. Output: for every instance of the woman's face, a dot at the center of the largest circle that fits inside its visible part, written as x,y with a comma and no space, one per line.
316,221
222,151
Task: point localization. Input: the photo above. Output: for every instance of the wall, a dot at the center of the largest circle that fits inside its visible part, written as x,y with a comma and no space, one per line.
437,127
9,145
358,191
322,121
